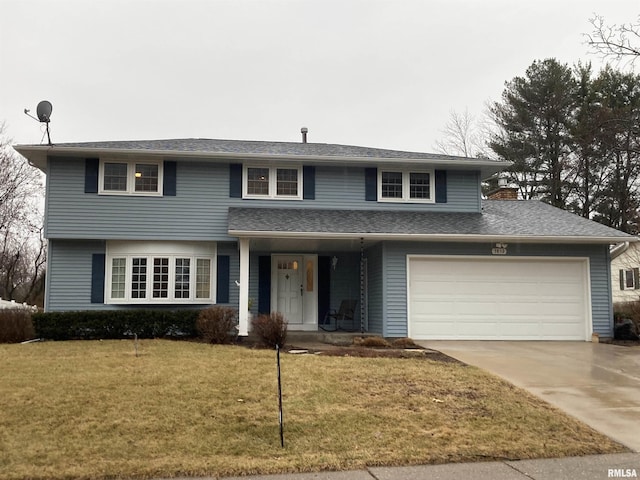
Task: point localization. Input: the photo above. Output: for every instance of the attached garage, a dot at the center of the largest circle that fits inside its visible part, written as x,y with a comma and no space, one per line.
498,298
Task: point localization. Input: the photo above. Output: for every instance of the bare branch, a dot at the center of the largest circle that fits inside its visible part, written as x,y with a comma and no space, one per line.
22,246
618,42
461,135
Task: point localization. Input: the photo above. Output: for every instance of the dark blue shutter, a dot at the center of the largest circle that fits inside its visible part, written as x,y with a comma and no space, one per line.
222,279
622,282
309,183
324,288
441,186
91,167
264,284
235,180
371,184
97,278
169,179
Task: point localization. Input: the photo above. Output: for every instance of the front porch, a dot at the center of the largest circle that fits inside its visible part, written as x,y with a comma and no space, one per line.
305,280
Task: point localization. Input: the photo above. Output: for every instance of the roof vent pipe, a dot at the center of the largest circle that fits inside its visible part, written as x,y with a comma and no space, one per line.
304,131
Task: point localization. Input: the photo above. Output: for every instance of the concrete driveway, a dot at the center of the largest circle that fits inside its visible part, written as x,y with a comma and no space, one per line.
597,383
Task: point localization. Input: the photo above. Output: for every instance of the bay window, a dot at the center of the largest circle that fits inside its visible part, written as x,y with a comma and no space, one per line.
144,272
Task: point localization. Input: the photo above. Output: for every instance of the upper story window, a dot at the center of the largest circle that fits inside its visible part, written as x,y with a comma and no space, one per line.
406,186
118,177
272,182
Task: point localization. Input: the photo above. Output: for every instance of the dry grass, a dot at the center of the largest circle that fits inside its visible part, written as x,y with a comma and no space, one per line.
95,410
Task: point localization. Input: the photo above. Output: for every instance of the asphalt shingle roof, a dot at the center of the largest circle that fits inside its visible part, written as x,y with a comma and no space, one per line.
223,150
210,148
254,147
499,218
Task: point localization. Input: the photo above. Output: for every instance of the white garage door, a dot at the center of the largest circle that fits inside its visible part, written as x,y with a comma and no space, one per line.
494,298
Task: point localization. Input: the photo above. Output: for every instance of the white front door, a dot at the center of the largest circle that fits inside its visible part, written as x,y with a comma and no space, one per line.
289,287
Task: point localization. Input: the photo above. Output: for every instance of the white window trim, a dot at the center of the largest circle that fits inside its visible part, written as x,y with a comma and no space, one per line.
406,187
131,172
633,276
273,173
151,250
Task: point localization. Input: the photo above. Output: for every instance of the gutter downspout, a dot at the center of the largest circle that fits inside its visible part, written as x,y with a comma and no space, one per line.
619,249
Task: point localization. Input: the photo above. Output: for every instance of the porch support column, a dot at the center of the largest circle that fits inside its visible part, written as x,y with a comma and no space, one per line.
243,308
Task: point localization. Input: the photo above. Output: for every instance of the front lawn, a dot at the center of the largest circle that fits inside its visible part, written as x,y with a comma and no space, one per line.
93,409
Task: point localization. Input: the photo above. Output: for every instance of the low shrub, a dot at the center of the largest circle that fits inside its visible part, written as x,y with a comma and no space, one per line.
113,324
271,329
404,343
374,342
16,325
625,312
217,324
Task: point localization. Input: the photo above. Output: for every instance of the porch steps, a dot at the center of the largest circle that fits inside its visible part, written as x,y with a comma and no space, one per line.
329,338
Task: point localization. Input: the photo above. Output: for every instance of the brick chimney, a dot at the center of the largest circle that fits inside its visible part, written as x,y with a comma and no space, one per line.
504,191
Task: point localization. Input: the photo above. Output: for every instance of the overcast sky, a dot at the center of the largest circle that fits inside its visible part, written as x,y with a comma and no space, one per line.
374,73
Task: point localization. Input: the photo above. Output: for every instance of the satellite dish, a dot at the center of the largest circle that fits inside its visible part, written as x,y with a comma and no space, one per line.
43,110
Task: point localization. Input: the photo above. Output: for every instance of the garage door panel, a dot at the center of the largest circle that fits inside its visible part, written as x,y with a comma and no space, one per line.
560,329
476,309
490,298
560,290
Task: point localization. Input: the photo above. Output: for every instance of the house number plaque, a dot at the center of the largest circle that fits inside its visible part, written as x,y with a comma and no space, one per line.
499,249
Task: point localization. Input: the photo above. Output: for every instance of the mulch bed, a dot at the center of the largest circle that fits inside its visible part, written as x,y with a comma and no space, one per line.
625,343
371,352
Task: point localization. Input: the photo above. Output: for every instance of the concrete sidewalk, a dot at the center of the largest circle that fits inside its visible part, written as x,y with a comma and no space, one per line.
592,467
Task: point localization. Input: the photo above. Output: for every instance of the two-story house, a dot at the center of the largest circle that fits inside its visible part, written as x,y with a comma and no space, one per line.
300,228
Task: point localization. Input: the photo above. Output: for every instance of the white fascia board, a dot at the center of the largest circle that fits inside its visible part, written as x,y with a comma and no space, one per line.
38,153
429,237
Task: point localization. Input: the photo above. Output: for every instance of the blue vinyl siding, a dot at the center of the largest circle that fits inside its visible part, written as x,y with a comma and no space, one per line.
200,208
395,268
230,249
601,303
69,274
197,212
395,292
253,279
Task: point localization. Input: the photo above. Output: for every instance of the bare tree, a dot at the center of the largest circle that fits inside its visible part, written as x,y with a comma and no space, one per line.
22,245
462,135
618,42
